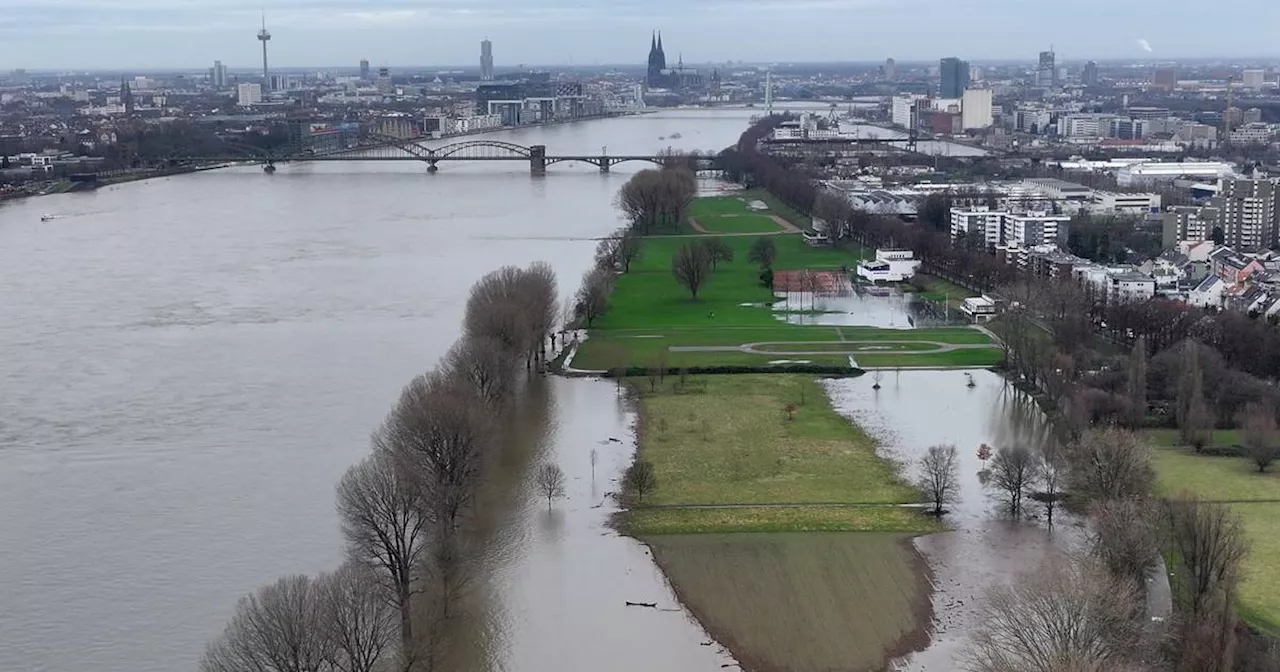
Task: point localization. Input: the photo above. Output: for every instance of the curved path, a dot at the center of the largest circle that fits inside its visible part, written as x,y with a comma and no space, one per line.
853,347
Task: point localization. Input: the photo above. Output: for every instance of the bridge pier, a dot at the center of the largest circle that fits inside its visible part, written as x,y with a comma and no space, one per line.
604,164
432,167
538,160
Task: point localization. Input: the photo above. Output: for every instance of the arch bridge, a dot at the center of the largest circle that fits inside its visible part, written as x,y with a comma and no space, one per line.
382,148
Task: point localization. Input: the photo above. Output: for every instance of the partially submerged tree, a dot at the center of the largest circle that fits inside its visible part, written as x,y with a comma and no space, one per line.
640,479
1051,470
358,622
1013,472
384,526
550,481
939,476
484,364
692,267
1061,618
1258,431
278,628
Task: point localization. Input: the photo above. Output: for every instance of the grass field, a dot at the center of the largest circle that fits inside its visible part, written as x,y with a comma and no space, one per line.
802,602
1255,498
733,444
739,224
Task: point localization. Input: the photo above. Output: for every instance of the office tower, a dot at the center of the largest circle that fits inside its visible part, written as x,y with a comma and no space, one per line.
1165,78
218,75
364,69
955,77
264,37
1090,75
1047,74
890,69
486,60
384,80
1253,79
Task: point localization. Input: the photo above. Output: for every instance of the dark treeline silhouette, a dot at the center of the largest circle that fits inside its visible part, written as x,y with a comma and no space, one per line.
407,508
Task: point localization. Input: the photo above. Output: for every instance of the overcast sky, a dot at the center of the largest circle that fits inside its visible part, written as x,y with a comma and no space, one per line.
39,34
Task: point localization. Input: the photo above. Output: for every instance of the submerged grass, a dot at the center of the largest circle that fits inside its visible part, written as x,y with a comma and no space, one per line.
811,602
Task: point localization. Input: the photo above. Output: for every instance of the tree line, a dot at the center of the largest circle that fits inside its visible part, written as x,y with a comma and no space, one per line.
405,508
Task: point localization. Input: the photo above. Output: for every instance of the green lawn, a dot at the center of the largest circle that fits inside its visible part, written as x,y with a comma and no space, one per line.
937,289
1169,437
1255,498
976,359
733,443
649,522
716,206
739,224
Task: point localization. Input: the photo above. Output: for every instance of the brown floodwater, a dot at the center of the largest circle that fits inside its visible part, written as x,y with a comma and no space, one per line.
914,410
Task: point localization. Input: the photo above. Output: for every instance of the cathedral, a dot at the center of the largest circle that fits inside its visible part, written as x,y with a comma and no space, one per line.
675,79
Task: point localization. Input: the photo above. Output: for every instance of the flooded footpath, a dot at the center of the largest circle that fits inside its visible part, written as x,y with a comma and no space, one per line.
914,410
556,579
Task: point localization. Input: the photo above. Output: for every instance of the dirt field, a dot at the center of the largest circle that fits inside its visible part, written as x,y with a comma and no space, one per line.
802,602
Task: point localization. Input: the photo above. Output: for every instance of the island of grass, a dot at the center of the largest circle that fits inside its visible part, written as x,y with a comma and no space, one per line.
778,525
654,321
1253,496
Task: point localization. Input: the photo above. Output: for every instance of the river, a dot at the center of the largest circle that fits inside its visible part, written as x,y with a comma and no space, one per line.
190,364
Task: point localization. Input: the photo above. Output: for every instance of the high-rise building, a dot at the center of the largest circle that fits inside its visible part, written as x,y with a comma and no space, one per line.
954,74
1090,75
890,69
364,69
218,75
486,60
1248,212
384,80
248,93
1253,79
976,109
264,37
1165,78
1047,74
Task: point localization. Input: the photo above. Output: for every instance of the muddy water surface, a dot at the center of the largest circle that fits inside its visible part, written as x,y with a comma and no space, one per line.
917,409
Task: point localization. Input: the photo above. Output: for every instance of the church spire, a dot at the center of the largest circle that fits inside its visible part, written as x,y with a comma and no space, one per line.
653,42
660,40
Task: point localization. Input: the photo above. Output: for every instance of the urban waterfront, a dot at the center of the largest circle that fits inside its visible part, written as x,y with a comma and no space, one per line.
195,360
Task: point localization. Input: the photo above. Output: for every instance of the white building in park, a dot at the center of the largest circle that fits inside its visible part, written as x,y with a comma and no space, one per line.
889,266
979,308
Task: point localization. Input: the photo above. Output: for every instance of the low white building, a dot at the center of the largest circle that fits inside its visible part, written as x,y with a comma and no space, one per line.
979,308
889,266
1150,173
1137,204
1130,286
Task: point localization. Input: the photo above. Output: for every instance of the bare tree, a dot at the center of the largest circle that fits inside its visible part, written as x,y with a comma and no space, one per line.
763,252
1111,463
939,476
496,309
656,200
629,250
1058,619
1137,384
1258,425
483,363
1195,421
640,479
1013,471
384,526
438,432
592,299
276,629
357,620
1124,538
540,296
717,251
595,457
550,482
1210,544
1050,487
692,267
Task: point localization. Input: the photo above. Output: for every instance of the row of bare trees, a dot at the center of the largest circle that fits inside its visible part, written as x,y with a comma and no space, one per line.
405,508
657,200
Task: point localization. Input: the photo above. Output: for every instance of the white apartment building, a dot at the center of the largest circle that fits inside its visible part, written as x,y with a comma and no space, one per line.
1248,213
1033,229
248,93
1253,134
980,222
1085,125
904,110
976,109
1130,286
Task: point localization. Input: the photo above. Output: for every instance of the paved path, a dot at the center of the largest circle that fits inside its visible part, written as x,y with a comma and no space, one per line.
867,349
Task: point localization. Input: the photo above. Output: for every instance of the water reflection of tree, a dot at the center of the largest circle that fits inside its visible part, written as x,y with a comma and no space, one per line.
1017,419
476,638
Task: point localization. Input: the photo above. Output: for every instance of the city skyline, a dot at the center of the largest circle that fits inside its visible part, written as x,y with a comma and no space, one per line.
325,33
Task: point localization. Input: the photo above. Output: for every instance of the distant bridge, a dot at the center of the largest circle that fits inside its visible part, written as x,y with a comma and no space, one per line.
379,148
908,142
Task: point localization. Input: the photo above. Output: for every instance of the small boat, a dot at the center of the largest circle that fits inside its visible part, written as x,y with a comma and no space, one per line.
970,377
675,136
45,218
